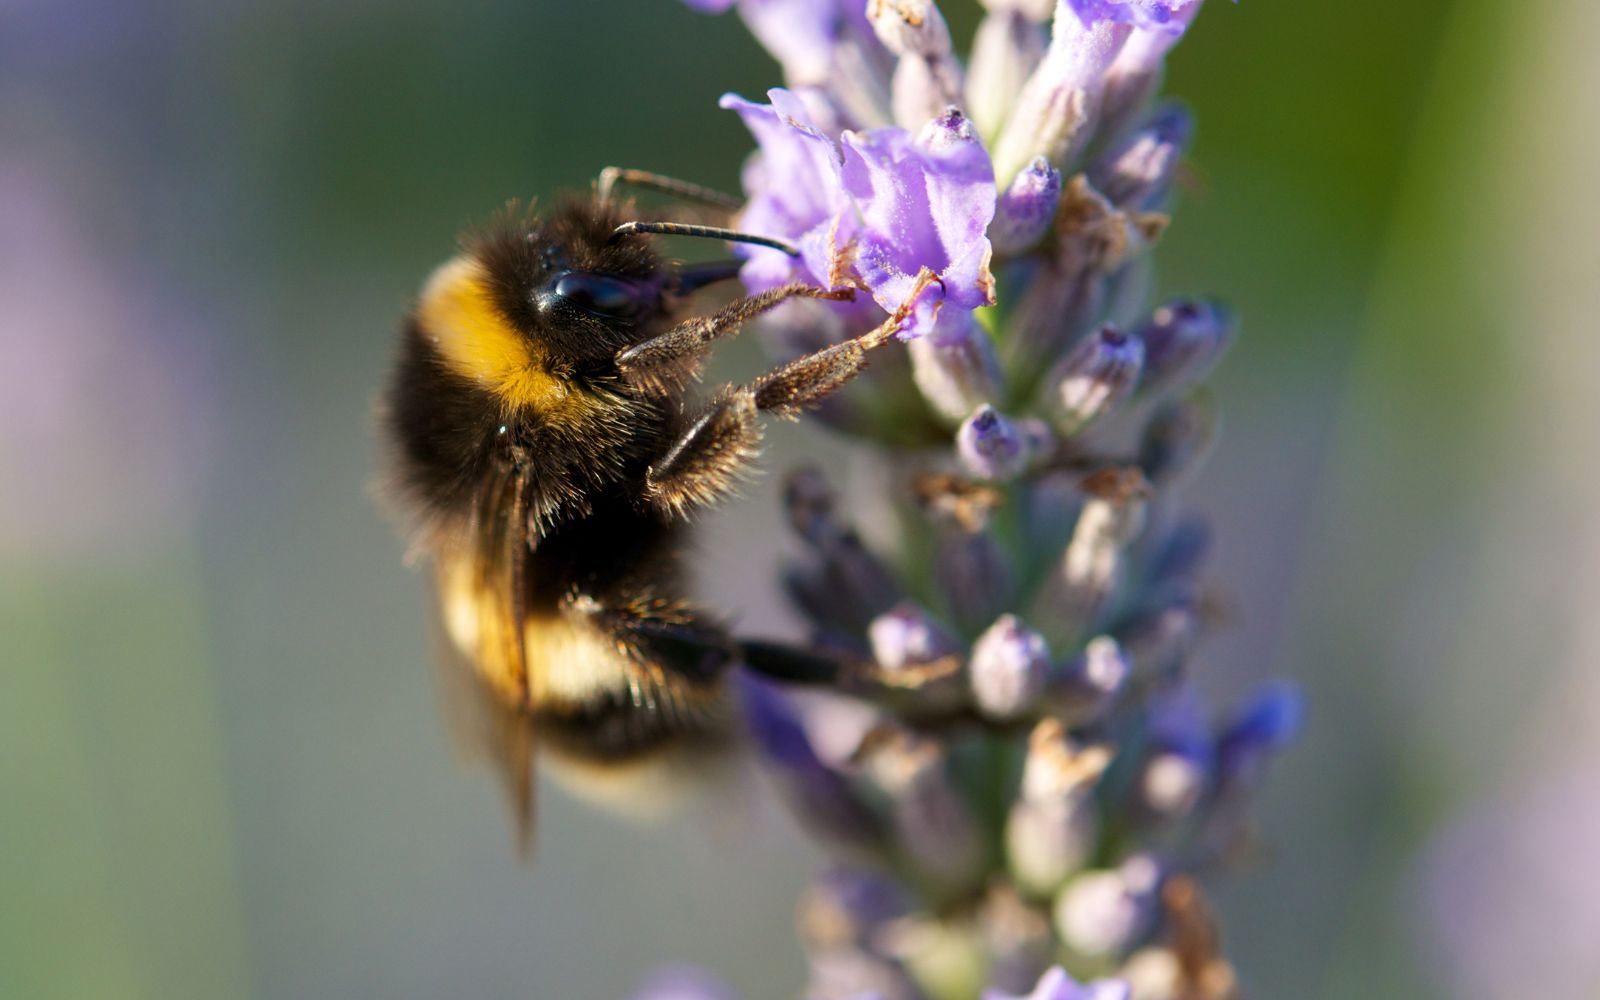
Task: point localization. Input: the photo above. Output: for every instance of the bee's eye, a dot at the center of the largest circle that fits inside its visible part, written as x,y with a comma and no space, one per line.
600,294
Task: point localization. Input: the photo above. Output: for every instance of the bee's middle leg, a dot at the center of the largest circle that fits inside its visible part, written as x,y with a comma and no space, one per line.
704,463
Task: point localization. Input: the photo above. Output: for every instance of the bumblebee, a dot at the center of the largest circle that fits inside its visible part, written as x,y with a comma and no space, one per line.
550,448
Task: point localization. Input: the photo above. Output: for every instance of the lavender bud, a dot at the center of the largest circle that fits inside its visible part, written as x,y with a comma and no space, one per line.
954,366
907,636
990,446
1135,74
1159,638
927,77
910,27
1093,564
1182,340
933,824
847,907
1038,11
1056,105
1136,172
1017,937
853,974
1104,913
1009,666
1177,439
842,582
1086,685
820,793
1178,765
1099,374
1052,826
1005,50
976,576
1270,721
1024,212
1170,785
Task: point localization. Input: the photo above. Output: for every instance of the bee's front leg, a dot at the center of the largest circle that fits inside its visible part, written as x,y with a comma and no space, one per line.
705,462
687,342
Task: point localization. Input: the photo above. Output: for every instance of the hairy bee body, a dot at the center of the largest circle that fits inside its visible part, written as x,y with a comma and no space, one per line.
524,450
549,447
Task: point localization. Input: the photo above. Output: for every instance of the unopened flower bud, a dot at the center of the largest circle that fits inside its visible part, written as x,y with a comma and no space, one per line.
1177,439
1136,172
1016,935
1100,373
848,907
1051,829
1086,685
1104,913
1094,561
838,581
1268,722
1158,638
1171,784
820,793
1178,763
1054,111
906,636
910,27
954,365
1135,74
976,575
990,446
1182,340
1024,212
933,823
1037,11
1009,667
927,77
1005,50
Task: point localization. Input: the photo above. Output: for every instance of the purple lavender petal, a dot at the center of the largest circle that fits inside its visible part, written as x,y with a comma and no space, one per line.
794,190
709,6
923,203
1170,16
800,34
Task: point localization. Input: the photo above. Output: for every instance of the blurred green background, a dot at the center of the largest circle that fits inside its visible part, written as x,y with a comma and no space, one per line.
224,767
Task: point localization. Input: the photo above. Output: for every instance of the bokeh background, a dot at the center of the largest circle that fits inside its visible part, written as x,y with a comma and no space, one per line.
223,767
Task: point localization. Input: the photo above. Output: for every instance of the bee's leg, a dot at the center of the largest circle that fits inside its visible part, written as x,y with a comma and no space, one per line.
703,463
688,340
610,177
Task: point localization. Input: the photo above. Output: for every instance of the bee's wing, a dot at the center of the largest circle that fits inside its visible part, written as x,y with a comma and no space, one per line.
484,676
484,729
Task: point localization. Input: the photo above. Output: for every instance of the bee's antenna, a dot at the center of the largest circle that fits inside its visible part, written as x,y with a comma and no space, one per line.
704,232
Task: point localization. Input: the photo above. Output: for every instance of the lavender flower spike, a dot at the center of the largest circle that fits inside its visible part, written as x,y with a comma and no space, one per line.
1015,743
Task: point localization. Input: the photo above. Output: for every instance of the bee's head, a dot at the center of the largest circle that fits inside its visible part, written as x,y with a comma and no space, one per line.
558,291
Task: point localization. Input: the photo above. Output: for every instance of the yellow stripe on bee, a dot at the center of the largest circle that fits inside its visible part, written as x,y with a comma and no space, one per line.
567,663
458,314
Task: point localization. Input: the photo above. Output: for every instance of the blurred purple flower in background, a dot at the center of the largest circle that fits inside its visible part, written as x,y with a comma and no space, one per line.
1019,770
